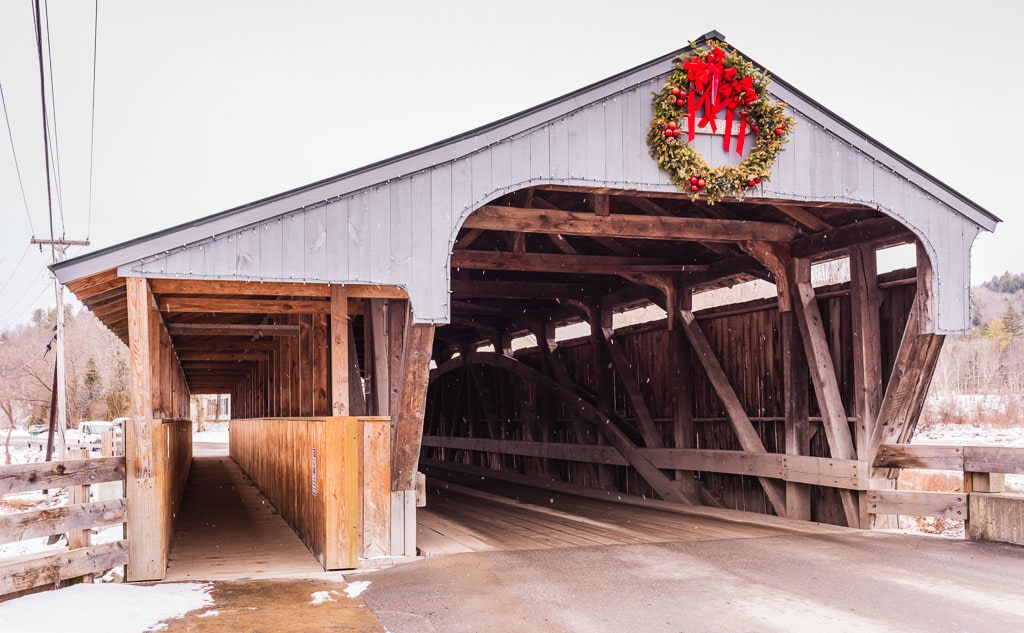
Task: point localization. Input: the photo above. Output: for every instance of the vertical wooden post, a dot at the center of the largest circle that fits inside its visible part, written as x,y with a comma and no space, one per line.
798,425
375,486
683,434
378,313
356,395
79,495
339,351
145,560
342,439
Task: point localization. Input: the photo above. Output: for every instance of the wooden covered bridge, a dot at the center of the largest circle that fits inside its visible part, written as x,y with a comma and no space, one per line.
472,293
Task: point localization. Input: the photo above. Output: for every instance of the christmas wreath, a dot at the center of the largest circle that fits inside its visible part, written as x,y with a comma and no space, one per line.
700,87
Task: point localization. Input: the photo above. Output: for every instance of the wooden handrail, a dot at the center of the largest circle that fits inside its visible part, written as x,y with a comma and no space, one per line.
76,472
969,459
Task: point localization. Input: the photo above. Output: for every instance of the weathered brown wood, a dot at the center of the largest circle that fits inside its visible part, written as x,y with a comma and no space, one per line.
214,329
880,232
519,290
378,341
929,456
562,244
356,395
665,487
375,487
994,459
17,478
600,204
819,471
269,288
339,352
342,440
419,341
534,220
36,571
865,299
25,525
746,434
243,306
683,433
561,263
648,428
216,355
467,240
321,362
953,505
803,216
797,411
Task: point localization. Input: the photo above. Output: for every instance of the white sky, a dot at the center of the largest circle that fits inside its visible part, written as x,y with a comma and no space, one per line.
202,106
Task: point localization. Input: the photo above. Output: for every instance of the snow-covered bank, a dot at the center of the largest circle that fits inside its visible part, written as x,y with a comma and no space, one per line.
103,608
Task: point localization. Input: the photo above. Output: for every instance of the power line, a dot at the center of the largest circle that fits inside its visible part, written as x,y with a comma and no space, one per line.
92,123
17,167
53,109
46,133
15,271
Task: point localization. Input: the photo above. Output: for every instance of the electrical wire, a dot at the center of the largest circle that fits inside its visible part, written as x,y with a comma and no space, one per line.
53,110
92,121
17,311
17,167
46,132
15,271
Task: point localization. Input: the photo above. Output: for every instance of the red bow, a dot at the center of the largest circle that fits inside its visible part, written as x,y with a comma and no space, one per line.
715,88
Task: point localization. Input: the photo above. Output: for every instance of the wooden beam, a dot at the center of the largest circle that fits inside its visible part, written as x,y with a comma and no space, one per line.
466,240
560,263
213,329
797,411
419,343
928,456
534,220
339,351
520,290
201,355
952,505
741,425
243,306
270,289
803,216
879,231
644,419
17,478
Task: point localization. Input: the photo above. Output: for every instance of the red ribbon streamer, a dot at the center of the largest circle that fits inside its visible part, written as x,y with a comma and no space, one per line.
718,89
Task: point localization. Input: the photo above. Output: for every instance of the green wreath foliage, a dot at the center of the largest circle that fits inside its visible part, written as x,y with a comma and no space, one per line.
683,162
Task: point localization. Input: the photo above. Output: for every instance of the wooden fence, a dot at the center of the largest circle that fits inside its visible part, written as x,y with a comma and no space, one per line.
76,519
329,477
984,469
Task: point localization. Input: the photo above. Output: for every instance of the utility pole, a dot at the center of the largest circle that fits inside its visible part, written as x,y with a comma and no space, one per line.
59,248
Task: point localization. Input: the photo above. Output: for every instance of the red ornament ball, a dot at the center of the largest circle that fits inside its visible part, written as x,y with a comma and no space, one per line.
680,102
694,188
671,126
676,92
694,180
676,132
669,133
701,183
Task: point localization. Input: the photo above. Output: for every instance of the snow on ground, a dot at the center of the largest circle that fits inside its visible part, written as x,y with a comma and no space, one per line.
103,608
356,587
215,432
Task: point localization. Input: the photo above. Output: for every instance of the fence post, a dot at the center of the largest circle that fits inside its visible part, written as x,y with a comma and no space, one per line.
375,486
340,465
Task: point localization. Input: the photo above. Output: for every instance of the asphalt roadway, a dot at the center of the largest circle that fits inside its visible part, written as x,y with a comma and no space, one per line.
839,583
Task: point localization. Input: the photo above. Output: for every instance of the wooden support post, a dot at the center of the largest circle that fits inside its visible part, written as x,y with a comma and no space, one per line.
321,346
620,365
745,431
339,352
356,395
342,439
375,484
798,425
145,557
419,341
378,340
683,432
823,376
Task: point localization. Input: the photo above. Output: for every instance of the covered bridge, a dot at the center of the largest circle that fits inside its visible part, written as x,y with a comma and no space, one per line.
409,290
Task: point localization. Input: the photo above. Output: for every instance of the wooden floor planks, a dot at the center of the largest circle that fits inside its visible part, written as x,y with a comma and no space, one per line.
229,531
467,513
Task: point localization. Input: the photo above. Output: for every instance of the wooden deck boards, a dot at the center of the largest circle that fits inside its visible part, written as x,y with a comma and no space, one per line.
229,531
466,513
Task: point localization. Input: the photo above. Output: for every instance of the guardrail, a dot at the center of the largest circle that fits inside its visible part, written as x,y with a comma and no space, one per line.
77,519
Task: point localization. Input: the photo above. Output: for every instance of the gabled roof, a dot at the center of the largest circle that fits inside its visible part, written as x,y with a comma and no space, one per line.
475,139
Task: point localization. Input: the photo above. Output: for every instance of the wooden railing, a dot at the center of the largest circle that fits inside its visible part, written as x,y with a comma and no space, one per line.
76,519
328,477
984,469
819,471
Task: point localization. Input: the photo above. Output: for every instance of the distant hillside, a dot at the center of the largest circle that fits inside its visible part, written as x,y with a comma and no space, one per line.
991,299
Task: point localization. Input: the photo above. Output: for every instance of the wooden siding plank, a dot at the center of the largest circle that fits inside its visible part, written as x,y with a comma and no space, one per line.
594,167
37,571
380,243
613,116
247,252
540,154
358,236
336,267
951,505
293,234
315,242
271,250
558,149
17,478
401,228
25,525
577,144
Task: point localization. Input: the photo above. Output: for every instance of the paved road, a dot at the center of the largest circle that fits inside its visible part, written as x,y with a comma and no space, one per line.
865,582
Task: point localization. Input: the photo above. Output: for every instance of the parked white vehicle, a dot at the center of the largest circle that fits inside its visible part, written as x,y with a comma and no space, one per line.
90,433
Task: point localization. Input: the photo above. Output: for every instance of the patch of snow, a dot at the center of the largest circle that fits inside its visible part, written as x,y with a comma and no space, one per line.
88,608
208,614
354,589
320,597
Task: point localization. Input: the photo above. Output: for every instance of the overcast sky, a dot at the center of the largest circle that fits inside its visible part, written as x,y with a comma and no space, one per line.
202,106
